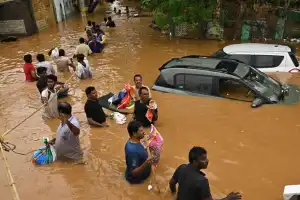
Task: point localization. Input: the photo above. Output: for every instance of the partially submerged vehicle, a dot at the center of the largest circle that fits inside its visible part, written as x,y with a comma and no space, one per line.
265,57
223,78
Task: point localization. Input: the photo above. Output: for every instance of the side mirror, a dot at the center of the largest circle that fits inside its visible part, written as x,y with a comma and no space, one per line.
257,103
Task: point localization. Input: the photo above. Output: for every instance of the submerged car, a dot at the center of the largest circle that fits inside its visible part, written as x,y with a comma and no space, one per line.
222,78
266,57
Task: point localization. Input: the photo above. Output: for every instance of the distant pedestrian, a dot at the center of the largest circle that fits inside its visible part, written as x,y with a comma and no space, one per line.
29,69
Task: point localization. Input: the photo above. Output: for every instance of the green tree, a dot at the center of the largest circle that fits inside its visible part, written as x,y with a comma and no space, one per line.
179,11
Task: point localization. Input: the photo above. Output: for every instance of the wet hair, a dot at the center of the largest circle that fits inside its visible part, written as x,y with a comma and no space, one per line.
142,88
105,19
40,57
65,108
137,75
80,57
133,127
28,58
89,23
41,70
109,19
52,77
89,89
195,153
61,52
81,40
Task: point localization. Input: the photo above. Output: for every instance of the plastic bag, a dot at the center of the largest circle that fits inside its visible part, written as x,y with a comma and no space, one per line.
152,106
155,141
125,101
55,53
120,118
43,156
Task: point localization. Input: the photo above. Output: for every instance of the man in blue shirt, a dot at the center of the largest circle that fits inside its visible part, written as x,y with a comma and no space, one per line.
95,45
137,161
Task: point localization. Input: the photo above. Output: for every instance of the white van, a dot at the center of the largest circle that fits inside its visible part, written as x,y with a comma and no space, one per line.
265,57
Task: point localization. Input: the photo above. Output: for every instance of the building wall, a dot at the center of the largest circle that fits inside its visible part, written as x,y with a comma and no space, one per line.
43,13
14,22
64,8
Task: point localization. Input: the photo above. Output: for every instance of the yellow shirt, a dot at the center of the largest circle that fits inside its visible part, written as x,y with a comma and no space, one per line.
83,49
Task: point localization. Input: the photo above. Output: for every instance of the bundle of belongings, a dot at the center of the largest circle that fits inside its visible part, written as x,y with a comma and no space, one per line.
154,141
118,117
123,99
45,155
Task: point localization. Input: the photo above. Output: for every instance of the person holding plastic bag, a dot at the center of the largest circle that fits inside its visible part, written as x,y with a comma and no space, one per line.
45,155
145,109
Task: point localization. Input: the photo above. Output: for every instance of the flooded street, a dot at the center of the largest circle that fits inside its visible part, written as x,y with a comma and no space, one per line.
254,151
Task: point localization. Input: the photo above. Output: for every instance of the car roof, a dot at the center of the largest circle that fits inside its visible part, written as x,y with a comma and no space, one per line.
227,66
254,47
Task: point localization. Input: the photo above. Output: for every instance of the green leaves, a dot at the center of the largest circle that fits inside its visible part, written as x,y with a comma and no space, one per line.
179,11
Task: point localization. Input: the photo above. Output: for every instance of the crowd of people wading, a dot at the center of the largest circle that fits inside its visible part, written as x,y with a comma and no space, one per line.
144,146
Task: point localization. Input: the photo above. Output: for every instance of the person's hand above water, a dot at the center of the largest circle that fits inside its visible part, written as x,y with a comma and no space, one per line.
234,196
150,160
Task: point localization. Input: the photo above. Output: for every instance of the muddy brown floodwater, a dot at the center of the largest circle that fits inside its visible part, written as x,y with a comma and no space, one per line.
254,151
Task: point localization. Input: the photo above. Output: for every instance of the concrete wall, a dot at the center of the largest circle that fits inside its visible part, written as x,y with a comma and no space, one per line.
43,13
14,22
64,8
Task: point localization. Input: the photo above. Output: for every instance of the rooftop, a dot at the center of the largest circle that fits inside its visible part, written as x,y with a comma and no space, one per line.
254,47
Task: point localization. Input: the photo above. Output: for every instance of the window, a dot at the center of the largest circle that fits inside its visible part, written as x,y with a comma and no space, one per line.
233,89
160,81
294,59
243,58
267,61
219,54
194,83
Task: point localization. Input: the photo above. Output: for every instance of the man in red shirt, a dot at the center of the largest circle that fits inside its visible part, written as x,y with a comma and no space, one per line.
29,69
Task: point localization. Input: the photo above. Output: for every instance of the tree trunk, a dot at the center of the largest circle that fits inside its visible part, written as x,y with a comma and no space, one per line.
239,19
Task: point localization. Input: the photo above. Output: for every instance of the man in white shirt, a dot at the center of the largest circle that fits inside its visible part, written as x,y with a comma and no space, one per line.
49,97
43,63
82,48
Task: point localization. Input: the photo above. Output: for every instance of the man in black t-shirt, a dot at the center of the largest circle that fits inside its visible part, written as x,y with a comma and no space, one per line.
93,110
141,108
193,185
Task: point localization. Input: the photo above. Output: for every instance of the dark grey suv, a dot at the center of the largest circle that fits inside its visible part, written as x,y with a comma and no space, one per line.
222,78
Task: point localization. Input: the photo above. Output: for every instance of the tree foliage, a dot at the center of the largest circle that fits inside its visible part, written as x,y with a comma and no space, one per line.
179,11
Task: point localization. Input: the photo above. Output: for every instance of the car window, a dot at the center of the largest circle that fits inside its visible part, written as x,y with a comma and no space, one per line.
243,58
219,54
294,59
267,61
233,89
160,81
194,83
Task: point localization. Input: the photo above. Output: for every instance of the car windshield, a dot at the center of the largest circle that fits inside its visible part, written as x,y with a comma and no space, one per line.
264,84
220,54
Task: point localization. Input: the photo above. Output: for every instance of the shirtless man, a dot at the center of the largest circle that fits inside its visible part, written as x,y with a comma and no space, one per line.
138,83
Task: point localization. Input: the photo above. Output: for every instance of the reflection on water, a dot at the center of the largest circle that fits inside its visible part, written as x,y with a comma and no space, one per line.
254,151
